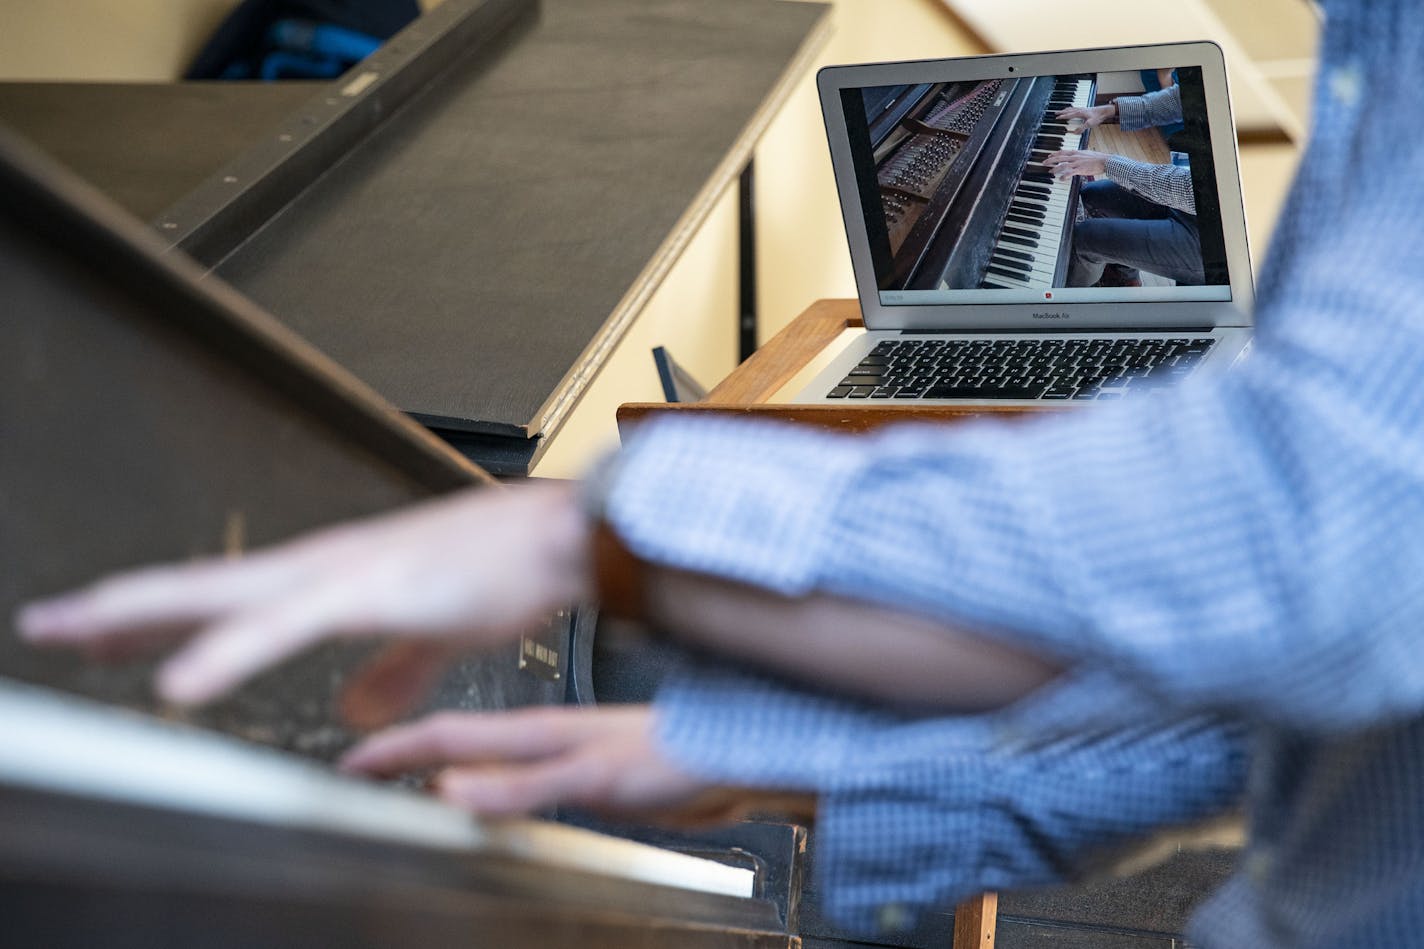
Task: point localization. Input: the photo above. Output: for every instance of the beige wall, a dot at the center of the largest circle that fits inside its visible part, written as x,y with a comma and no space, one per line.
131,40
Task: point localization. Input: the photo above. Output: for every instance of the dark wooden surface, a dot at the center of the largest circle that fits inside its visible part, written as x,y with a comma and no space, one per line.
477,257
147,144
465,257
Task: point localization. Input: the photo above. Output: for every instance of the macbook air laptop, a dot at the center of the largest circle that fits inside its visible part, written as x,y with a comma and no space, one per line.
1039,227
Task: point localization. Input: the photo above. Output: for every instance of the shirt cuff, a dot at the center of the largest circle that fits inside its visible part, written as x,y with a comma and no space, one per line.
1124,171
1131,112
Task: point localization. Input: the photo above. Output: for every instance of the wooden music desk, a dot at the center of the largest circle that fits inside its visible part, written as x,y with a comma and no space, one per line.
746,391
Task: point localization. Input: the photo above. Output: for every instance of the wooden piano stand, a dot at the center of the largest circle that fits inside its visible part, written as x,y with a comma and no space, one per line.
747,391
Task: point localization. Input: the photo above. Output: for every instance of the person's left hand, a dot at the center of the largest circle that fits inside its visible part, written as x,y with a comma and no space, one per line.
1089,117
1088,164
502,764
469,571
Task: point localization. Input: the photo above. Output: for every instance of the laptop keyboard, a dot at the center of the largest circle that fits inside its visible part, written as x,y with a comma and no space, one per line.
1047,369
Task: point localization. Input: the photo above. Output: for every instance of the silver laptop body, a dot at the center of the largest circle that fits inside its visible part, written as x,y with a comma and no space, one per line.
969,244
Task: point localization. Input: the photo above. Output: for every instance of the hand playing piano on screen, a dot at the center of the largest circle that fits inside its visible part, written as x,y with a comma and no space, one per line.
1089,116
1087,164
522,762
475,569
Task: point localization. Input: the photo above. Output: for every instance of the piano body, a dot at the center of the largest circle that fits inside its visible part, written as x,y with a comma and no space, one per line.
149,414
966,200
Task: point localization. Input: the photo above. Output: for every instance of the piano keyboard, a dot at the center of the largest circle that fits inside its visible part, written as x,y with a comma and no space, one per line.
1031,250
72,746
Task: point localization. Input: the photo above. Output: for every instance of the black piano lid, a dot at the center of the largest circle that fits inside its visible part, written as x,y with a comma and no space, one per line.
478,254
150,415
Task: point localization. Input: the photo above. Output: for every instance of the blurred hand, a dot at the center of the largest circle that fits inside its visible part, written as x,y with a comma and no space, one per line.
475,569
1090,117
1088,164
526,761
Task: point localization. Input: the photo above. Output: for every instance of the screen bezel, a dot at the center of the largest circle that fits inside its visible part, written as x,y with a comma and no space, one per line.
1130,311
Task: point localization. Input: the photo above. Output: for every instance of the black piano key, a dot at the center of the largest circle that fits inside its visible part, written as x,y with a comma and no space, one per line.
1003,272
990,285
1019,232
1020,241
1023,219
1013,266
1028,210
1016,254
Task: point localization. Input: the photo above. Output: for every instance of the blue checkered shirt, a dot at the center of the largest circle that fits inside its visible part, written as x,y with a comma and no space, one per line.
1233,574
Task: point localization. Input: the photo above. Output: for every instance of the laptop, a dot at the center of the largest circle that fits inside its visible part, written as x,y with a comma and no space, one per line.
1035,228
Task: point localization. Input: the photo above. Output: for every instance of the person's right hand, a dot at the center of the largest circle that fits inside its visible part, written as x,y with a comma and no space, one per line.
475,569
606,759
1090,117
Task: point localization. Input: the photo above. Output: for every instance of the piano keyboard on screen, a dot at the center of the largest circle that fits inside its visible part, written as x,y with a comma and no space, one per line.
1032,252
966,199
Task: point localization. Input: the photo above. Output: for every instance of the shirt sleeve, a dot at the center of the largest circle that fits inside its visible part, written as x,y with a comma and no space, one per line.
1167,185
915,812
1248,544
1150,110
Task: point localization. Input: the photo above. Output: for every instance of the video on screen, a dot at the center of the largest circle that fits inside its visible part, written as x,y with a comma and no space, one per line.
1031,184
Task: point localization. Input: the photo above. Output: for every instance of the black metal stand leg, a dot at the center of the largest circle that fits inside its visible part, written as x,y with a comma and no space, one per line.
747,309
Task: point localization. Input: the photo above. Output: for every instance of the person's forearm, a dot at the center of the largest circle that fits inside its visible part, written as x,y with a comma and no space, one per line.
843,645
1167,185
1150,109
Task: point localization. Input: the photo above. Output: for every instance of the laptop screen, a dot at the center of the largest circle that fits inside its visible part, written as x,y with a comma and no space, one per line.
1095,187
